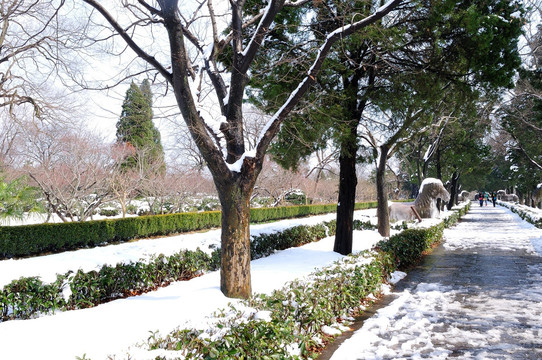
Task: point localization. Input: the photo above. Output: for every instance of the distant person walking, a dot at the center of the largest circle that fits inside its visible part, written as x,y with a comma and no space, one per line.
481,198
494,198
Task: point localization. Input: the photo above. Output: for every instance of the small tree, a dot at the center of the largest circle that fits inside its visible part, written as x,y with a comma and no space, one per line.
70,167
123,182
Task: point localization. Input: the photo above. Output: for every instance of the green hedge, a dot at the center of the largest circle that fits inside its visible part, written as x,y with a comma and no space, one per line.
24,298
29,240
296,315
408,246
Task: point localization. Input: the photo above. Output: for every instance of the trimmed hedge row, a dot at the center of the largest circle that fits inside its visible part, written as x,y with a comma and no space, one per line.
29,240
26,297
524,212
408,246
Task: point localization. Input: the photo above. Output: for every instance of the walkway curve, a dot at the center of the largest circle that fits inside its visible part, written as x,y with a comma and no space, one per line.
477,296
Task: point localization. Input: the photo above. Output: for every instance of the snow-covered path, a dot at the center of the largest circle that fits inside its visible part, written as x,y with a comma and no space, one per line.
479,296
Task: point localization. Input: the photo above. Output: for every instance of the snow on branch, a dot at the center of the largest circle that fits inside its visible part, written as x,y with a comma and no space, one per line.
431,150
273,125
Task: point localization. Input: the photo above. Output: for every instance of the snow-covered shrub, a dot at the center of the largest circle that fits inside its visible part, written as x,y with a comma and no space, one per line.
109,212
297,317
26,297
113,282
266,244
408,246
296,197
454,216
529,214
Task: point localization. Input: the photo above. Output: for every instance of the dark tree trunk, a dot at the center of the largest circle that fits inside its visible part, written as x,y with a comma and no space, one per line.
438,165
347,161
453,190
347,198
382,211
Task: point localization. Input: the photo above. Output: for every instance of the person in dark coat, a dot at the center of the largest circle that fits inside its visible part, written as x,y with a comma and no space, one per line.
494,198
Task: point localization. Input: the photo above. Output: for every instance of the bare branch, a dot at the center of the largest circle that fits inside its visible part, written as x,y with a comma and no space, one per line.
131,43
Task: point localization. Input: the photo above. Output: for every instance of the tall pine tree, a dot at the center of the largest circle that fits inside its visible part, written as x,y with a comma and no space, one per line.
136,128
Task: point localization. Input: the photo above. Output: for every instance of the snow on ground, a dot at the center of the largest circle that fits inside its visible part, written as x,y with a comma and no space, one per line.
424,322
113,327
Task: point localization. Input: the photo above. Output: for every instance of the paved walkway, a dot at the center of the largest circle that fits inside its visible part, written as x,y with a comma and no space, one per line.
478,296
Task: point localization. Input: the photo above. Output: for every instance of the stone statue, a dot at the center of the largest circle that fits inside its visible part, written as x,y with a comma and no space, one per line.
502,195
425,205
465,196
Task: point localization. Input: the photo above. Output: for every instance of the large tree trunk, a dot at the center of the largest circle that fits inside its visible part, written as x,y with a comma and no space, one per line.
382,211
347,199
235,242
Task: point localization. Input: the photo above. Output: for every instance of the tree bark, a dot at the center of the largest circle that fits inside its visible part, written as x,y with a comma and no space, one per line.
235,242
382,211
347,198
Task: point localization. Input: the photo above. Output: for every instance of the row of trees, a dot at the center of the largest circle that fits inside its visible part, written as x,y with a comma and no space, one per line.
374,79
377,81
516,148
415,85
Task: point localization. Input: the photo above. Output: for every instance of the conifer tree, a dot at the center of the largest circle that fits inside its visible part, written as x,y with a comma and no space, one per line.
136,128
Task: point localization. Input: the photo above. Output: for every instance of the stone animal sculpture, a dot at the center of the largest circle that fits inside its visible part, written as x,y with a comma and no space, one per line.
502,195
426,202
464,196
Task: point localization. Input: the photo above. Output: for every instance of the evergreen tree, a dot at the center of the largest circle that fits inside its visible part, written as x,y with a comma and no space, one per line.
136,128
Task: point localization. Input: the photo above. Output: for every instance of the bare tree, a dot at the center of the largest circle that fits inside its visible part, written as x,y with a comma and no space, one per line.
70,168
276,183
9,136
219,132
36,46
123,182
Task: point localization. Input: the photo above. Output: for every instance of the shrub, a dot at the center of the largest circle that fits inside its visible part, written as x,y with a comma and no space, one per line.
266,244
296,314
109,212
26,297
408,246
